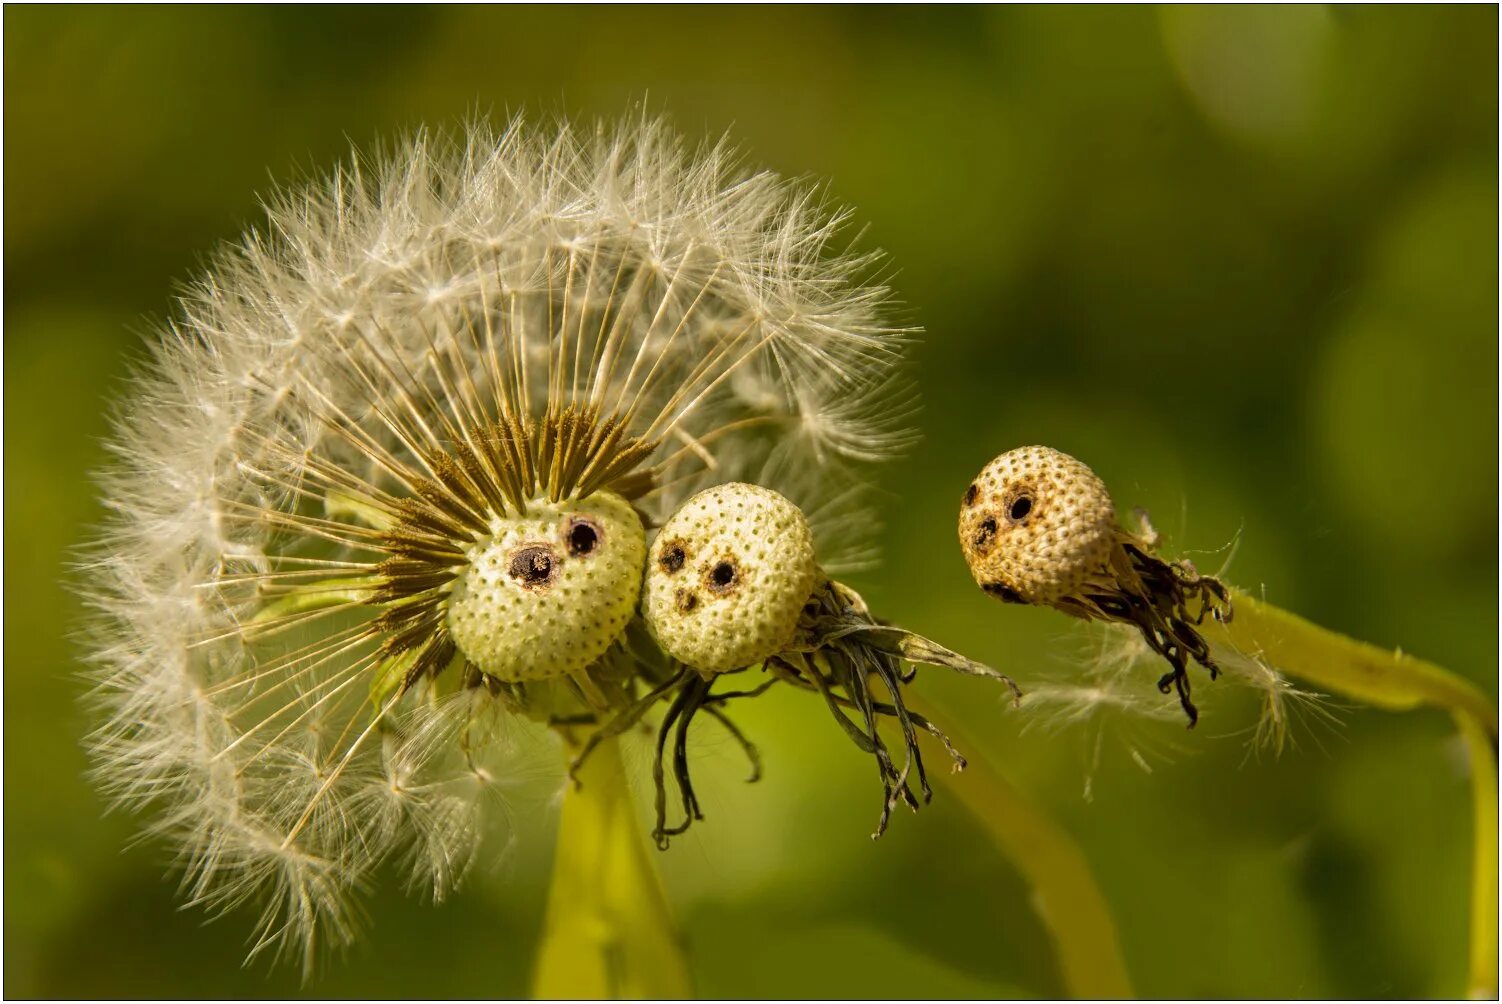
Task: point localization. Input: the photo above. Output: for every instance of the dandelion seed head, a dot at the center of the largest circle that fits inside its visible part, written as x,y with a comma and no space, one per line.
1034,524
1037,526
548,593
728,576
309,594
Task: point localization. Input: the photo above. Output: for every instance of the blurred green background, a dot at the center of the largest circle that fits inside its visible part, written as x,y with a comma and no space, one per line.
1243,261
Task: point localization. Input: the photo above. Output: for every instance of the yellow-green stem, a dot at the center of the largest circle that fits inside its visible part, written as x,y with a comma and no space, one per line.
1340,665
1065,895
1483,755
1398,682
609,932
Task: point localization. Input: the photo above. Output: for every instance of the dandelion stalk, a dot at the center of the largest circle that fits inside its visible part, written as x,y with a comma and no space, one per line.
1482,748
1395,681
1067,899
609,933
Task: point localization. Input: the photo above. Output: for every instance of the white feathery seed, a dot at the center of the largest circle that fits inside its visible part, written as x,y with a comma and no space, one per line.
299,625
1101,695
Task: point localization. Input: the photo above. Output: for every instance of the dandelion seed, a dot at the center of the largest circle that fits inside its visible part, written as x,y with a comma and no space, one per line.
1097,694
732,584
1283,705
381,492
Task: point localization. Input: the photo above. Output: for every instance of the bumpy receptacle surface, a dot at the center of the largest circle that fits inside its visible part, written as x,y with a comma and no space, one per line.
727,577
1034,524
549,592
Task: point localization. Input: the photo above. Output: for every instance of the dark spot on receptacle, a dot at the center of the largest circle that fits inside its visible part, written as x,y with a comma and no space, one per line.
984,534
583,536
971,494
1003,592
685,600
722,577
533,566
1020,507
672,558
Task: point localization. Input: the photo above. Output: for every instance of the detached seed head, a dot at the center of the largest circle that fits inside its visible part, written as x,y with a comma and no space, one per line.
728,576
1035,524
547,593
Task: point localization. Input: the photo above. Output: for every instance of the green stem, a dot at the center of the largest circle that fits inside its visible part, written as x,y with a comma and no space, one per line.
1065,895
1392,680
1397,682
1483,753
609,932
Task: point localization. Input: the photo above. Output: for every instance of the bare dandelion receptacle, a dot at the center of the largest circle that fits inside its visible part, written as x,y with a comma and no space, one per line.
547,593
733,585
1037,526
728,577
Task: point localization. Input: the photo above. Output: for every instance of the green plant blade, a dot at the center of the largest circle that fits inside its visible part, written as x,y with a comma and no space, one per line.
1482,982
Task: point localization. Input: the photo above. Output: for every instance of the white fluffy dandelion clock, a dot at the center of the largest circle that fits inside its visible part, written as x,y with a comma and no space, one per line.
384,485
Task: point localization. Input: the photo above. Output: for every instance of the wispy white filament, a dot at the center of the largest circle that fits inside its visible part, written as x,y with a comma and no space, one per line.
1107,694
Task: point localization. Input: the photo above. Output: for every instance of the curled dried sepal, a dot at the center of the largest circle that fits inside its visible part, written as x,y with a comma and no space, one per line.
1038,526
842,649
